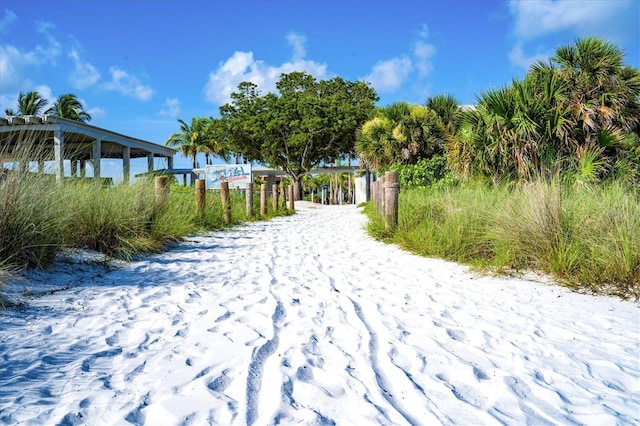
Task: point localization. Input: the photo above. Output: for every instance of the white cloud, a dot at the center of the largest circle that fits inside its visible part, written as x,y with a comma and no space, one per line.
84,74
534,19
423,53
519,58
171,107
242,66
49,53
96,113
15,62
6,21
389,75
12,65
297,41
128,85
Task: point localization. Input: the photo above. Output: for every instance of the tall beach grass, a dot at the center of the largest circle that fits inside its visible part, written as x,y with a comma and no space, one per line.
40,216
587,238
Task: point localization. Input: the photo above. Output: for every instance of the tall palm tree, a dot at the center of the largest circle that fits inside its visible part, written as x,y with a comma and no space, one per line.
191,139
68,106
215,142
30,103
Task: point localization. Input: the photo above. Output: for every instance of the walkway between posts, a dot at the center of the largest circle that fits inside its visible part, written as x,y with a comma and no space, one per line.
305,319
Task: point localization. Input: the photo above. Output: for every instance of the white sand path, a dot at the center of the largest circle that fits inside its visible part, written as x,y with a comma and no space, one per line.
307,320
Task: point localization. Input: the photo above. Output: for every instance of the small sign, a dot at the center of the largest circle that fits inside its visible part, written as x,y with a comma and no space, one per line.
325,186
237,175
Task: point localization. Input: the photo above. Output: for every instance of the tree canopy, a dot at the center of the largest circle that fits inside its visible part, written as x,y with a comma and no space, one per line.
308,123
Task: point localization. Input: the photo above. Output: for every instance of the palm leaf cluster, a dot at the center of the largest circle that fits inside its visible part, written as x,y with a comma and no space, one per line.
202,135
402,133
576,115
65,106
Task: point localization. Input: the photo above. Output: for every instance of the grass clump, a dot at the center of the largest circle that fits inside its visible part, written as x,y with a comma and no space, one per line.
585,237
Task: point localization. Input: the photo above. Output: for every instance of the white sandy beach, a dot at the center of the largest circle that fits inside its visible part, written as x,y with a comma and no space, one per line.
307,320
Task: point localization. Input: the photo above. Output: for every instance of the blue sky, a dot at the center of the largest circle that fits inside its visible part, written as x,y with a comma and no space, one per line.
139,65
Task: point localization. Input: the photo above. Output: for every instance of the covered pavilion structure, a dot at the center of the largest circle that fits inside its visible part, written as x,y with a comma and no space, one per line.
51,138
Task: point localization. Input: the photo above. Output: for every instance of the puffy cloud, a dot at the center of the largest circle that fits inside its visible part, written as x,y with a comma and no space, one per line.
171,107
84,74
242,66
534,19
14,62
127,85
12,65
389,75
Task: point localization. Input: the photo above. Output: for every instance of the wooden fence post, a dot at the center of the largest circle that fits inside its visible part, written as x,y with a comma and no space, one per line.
248,193
226,205
391,195
263,199
201,191
274,197
161,189
291,203
283,196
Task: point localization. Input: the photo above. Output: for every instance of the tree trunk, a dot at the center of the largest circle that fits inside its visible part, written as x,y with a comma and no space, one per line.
297,187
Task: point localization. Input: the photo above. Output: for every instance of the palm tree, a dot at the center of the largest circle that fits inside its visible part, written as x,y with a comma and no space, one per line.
30,103
215,143
400,133
191,139
448,109
68,106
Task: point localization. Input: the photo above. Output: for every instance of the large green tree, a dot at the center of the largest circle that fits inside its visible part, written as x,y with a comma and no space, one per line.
307,123
69,106
30,103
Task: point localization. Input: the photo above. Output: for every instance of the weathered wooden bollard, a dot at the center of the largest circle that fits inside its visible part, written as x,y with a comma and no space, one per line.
161,189
283,196
226,205
391,195
248,193
263,199
291,203
274,197
201,191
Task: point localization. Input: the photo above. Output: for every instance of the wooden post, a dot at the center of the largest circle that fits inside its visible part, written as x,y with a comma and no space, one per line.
291,203
263,199
391,195
226,205
248,193
283,195
274,197
201,191
162,188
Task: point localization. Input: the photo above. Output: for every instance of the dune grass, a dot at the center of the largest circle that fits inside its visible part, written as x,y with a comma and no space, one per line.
587,238
39,217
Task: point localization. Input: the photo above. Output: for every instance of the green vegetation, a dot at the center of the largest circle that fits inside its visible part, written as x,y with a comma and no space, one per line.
586,238
308,123
540,175
65,106
39,217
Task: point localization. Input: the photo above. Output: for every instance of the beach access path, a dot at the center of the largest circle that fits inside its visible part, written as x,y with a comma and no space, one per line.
307,320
